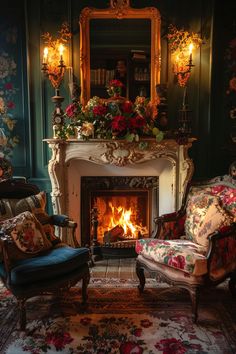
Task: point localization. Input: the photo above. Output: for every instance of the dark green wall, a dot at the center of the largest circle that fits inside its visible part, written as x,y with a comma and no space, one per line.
206,88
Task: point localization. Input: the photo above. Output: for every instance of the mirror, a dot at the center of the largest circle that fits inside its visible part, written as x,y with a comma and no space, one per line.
121,43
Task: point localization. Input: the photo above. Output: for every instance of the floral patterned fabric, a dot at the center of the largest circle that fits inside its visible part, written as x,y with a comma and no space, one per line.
6,169
224,257
35,204
27,233
225,191
181,254
204,216
171,230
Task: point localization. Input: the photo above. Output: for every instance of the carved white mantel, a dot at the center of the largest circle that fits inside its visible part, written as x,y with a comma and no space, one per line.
118,153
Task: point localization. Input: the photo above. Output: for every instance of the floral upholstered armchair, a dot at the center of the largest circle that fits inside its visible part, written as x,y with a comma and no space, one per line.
33,260
194,247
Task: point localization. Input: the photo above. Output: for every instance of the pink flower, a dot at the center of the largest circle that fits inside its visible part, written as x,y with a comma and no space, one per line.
71,110
171,346
177,262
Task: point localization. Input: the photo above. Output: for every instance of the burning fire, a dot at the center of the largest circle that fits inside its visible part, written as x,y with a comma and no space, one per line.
122,217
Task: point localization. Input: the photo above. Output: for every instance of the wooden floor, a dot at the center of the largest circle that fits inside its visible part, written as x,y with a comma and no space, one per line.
123,268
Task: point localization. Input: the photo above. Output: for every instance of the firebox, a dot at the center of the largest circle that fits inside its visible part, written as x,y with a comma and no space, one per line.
125,207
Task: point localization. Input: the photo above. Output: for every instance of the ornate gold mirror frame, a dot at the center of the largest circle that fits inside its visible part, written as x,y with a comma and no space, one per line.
119,9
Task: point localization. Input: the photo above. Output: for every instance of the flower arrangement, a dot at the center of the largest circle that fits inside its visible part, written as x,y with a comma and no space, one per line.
114,88
114,118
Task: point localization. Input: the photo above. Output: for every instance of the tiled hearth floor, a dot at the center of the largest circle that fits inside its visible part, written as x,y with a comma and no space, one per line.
114,268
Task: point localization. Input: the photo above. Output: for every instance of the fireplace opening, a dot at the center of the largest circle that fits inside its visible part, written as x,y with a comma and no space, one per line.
122,215
125,210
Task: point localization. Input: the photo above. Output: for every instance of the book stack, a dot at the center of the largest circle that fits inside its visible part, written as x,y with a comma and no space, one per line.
101,76
138,54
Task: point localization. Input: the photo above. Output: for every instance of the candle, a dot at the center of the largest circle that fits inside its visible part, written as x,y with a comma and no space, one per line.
190,52
45,55
61,50
71,75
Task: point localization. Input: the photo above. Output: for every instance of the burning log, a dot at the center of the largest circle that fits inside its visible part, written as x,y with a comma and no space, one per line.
114,234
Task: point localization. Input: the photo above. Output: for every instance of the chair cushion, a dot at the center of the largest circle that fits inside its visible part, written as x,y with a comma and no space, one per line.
225,191
36,204
204,215
26,236
55,262
180,254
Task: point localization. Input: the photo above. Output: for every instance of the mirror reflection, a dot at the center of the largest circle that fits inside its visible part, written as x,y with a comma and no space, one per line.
120,49
122,43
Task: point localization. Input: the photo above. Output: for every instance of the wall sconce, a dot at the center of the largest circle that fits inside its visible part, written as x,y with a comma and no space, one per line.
181,45
182,65
53,68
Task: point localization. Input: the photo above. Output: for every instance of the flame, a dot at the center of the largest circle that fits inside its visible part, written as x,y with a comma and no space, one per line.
123,217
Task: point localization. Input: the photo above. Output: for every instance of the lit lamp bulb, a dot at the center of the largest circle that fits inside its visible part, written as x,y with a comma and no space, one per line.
45,55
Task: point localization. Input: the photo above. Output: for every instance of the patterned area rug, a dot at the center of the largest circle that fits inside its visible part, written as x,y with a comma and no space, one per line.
120,320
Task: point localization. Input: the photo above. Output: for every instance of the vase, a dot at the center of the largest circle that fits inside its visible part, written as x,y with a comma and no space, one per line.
116,99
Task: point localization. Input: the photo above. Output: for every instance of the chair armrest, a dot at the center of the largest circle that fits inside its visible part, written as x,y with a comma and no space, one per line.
62,221
221,255
170,226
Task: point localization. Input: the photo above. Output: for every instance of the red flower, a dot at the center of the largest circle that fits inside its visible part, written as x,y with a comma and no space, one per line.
11,105
129,347
138,332
127,107
137,122
119,123
99,111
146,323
171,346
116,83
58,339
8,86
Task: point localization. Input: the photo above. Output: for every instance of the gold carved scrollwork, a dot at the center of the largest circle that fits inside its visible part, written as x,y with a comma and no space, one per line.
119,3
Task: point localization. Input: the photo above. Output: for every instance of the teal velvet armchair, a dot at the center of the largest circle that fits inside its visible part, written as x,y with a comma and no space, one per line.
33,261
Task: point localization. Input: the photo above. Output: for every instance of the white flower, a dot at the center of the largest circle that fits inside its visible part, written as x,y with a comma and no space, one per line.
4,67
2,106
87,129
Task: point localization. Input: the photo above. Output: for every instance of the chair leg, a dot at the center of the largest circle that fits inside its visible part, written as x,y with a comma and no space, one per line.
194,294
22,314
85,282
141,276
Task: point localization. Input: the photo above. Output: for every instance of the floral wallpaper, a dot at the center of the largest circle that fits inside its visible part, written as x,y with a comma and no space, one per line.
230,59
9,91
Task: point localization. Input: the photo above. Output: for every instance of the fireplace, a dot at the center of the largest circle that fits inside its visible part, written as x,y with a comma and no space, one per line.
125,205
106,162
